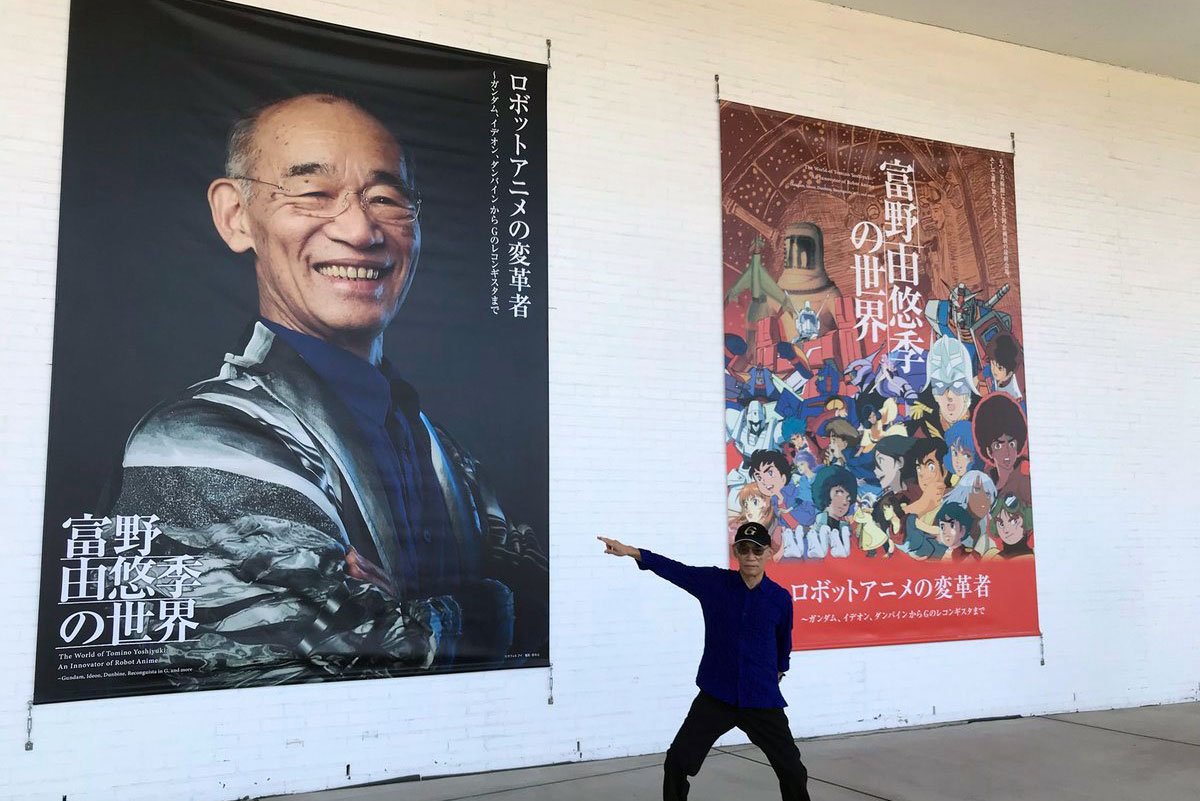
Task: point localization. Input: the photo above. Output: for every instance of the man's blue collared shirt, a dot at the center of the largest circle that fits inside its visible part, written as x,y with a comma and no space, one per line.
387,411
747,632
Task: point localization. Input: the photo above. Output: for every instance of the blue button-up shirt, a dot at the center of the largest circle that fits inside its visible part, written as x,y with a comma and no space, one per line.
387,411
747,632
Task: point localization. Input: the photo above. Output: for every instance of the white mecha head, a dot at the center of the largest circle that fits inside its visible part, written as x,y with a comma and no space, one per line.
756,418
948,368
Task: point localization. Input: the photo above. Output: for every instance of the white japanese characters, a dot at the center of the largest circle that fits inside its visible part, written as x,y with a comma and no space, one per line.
126,594
887,301
518,226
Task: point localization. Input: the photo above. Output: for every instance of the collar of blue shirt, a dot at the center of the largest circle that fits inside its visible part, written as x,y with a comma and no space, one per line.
369,390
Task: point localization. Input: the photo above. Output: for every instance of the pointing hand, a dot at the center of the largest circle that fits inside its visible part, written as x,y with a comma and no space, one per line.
618,548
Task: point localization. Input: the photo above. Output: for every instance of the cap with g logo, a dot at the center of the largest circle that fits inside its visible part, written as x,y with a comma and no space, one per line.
755,533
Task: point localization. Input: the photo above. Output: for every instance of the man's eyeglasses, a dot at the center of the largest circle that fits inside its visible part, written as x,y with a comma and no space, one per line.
744,548
384,203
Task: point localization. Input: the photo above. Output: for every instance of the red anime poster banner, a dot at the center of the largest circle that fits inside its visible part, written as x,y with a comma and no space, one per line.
874,407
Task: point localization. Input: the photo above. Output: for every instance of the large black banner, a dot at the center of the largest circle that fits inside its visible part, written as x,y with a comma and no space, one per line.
298,420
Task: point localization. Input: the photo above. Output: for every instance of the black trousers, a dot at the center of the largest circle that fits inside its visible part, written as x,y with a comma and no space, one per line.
707,720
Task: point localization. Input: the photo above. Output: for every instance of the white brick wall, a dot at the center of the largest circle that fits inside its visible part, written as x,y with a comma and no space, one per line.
1108,165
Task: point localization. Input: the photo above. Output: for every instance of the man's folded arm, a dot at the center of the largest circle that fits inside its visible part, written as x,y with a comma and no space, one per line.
273,598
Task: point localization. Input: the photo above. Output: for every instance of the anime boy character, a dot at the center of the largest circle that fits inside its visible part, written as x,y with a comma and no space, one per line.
894,469
954,521
845,449
1001,434
833,408
834,492
1005,356
920,527
771,472
795,438
1012,528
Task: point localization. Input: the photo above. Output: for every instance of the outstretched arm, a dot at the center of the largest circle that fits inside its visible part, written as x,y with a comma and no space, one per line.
686,577
618,548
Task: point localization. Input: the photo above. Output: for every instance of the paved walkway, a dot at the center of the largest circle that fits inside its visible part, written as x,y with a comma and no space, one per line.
1144,754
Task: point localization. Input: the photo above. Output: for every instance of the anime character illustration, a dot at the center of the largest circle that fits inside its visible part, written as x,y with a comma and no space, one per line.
962,458
874,537
808,324
755,427
1001,434
889,383
920,527
804,470
963,316
881,409
1012,528
895,471
949,378
795,439
860,373
977,492
834,492
879,423
1005,356
888,516
771,473
954,521
755,507
845,449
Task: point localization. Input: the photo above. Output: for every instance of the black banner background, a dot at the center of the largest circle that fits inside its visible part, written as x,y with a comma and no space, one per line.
149,297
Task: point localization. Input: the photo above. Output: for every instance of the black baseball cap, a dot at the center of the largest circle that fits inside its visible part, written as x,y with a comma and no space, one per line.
755,533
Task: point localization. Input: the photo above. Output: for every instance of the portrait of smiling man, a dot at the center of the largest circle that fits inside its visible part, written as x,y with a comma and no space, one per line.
323,196
335,530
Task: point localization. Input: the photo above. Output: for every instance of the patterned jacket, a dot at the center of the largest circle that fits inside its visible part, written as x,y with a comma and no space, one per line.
263,478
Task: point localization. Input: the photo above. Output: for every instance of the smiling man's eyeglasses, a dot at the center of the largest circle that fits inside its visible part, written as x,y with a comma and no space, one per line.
384,203
745,548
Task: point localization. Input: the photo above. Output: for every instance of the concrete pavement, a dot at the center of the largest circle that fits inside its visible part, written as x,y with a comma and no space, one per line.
1142,754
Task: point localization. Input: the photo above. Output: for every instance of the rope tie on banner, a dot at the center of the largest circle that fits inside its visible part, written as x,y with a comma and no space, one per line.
717,86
